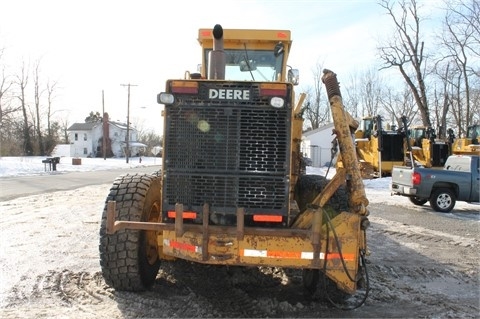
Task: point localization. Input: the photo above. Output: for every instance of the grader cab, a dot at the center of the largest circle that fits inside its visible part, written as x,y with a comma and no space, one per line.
232,190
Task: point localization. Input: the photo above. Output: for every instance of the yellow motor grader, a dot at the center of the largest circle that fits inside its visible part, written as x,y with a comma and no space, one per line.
232,189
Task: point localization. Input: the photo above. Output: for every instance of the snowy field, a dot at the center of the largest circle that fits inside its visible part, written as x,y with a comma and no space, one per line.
32,165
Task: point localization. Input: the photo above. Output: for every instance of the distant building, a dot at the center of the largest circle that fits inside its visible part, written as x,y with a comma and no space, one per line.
86,139
317,145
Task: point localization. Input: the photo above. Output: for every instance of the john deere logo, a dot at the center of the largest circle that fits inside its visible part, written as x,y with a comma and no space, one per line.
229,94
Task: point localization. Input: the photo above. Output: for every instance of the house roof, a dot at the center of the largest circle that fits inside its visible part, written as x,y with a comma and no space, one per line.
122,126
90,126
82,126
322,128
133,144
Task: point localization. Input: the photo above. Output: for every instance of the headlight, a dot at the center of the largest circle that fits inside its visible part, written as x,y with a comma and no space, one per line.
277,102
165,98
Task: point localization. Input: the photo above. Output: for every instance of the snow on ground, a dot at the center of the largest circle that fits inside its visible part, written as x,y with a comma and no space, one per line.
32,165
377,190
80,209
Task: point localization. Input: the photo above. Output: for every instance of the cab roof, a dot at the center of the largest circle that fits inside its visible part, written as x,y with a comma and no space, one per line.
205,37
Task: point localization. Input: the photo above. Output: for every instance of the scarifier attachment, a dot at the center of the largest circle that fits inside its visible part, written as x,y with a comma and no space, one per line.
358,199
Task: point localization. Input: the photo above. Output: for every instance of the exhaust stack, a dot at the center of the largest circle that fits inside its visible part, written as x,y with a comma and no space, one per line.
216,58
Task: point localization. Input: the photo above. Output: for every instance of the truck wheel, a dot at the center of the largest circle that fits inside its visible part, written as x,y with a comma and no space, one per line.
442,200
129,258
418,201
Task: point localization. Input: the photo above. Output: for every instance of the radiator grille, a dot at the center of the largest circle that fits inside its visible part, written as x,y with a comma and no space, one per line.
392,145
228,154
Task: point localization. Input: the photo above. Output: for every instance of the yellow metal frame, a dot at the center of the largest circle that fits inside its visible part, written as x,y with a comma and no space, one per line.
246,246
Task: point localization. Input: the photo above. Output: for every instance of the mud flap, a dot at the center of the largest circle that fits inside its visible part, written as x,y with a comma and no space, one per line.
344,239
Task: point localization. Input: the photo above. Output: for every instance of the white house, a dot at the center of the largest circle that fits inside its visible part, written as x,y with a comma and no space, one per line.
86,139
317,145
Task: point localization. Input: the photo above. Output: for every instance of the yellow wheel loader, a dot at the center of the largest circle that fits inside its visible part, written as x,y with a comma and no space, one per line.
468,145
378,149
232,190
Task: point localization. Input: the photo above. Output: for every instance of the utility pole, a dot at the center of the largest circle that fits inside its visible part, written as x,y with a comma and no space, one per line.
127,152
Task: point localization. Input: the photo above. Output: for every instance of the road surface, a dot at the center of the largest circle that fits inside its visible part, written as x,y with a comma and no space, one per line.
13,187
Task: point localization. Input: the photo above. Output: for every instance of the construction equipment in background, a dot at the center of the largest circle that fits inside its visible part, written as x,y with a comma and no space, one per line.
468,145
427,150
232,189
378,149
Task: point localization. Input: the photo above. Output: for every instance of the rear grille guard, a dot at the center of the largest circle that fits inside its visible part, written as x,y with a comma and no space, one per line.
229,155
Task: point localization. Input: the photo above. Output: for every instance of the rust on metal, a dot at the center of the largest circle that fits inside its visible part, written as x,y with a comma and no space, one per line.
240,223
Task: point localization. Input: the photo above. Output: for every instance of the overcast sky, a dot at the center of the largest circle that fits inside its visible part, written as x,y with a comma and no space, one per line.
88,46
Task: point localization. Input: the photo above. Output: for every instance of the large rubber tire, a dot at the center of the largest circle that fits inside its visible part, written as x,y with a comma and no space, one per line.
309,186
443,200
418,201
129,258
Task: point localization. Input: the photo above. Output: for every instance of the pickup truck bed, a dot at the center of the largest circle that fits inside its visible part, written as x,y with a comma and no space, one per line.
457,181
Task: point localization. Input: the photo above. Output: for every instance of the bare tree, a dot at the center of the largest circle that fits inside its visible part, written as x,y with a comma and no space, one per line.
351,97
460,39
316,110
51,87
22,81
51,132
7,110
150,138
64,128
442,101
405,51
399,104
37,95
371,92
464,16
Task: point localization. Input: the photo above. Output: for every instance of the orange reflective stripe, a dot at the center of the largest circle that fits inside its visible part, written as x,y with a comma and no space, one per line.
268,218
185,215
181,246
348,257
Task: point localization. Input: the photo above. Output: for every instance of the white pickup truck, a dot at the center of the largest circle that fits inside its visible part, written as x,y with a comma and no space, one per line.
457,181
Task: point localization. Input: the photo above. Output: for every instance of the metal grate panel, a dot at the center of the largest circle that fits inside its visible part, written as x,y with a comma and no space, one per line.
392,147
227,153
